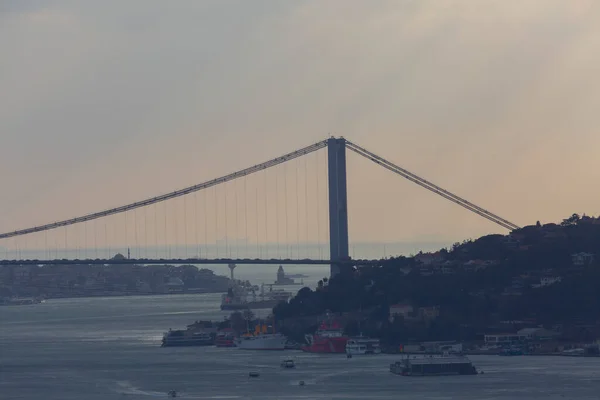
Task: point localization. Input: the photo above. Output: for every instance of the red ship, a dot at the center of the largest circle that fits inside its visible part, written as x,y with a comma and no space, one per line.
329,338
225,338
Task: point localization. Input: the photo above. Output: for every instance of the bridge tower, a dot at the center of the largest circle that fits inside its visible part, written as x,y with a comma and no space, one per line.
338,203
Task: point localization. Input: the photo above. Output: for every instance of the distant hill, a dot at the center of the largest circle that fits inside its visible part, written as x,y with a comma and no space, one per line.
544,273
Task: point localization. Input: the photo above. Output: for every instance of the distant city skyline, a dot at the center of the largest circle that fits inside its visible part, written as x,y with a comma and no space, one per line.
108,103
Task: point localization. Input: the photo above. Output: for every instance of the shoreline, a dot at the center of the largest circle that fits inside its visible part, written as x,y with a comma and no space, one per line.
124,294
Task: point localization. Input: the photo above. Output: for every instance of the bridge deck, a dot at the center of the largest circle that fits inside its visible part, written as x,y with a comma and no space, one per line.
180,261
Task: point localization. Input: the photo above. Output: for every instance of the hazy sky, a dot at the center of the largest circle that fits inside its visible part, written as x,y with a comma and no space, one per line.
107,102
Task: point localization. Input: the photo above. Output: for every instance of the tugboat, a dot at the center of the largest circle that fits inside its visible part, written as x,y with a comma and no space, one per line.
433,365
288,363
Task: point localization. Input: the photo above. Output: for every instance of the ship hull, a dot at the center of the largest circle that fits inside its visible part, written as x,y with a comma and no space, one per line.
249,305
261,342
434,366
225,343
327,345
186,343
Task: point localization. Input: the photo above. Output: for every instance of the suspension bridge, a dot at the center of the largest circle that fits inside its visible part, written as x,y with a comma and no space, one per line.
179,234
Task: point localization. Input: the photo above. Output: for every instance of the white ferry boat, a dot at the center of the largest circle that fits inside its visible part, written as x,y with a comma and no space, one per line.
362,345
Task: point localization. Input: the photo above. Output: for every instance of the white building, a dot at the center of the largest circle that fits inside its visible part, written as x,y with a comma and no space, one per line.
547,281
582,258
502,339
403,310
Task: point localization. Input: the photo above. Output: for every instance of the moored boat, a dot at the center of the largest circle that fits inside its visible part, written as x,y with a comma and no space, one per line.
260,339
263,341
225,338
362,345
329,338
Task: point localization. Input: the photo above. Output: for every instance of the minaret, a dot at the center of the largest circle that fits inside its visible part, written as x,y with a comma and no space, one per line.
231,268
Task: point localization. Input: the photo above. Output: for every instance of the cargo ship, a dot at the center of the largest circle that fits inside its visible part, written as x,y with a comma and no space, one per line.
433,365
241,298
329,338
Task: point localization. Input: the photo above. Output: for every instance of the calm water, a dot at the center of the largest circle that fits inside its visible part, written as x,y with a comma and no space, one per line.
108,348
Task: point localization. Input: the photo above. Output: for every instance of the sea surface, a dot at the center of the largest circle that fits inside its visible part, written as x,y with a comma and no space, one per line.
108,348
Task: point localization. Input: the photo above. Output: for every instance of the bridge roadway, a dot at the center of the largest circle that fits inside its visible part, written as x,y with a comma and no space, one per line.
182,261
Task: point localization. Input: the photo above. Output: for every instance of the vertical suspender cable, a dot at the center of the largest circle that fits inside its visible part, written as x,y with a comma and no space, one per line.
216,222
205,222
126,235
85,245
306,205
235,198
176,228
167,241
196,224
277,211
258,252
96,237
135,227
146,232
227,249
76,242
185,235
106,244
66,253
297,214
266,218
246,215
285,207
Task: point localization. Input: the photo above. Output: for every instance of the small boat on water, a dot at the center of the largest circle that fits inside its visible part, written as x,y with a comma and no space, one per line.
21,301
433,365
288,363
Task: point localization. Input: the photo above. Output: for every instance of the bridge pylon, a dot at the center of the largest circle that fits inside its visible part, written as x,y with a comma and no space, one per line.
338,203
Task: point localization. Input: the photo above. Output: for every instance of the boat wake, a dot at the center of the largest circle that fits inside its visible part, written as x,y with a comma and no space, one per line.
127,388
